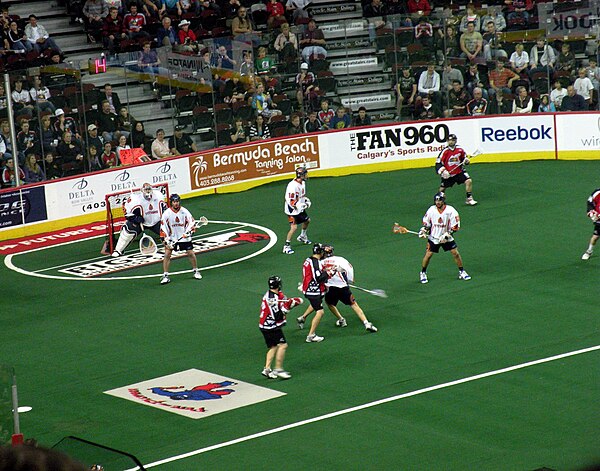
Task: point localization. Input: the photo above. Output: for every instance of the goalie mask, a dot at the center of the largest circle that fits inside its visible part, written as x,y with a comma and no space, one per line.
147,191
275,282
302,173
441,196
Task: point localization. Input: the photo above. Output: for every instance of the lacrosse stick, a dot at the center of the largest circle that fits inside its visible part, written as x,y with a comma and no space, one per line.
200,222
147,245
398,229
474,154
375,292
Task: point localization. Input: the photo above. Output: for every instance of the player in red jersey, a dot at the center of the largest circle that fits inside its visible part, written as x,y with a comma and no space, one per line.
450,165
593,212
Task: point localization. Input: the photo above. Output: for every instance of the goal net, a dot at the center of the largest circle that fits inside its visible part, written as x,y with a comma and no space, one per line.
115,213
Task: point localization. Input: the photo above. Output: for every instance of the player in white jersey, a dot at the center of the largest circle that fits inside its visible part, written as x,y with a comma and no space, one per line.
177,227
143,209
338,290
439,223
295,206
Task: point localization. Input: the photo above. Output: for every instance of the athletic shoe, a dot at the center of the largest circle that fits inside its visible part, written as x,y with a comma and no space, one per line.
301,322
423,277
370,327
116,253
267,373
314,338
165,279
470,201
279,373
463,275
197,274
304,240
287,249
341,322
587,254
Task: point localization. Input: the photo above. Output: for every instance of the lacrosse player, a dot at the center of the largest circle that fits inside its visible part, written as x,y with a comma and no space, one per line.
296,204
142,210
338,290
450,165
439,222
273,309
593,208
177,227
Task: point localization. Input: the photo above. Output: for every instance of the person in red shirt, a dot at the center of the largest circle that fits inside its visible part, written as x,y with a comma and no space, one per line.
108,157
112,30
276,12
450,165
417,9
187,38
134,22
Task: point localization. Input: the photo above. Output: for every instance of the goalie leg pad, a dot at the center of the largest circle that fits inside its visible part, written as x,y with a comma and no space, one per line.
125,238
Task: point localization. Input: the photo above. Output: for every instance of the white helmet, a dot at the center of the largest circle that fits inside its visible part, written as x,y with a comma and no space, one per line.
147,191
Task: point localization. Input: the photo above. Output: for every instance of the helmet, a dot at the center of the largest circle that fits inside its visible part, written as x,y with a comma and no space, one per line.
440,196
174,197
328,250
275,282
302,173
452,137
318,249
147,191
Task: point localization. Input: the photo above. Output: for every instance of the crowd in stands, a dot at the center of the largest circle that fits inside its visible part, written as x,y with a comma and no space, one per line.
455,61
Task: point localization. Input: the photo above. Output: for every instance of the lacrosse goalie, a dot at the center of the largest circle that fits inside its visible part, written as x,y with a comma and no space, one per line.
439,223
593,212
177,227
142,210
450,166
295,206
273,310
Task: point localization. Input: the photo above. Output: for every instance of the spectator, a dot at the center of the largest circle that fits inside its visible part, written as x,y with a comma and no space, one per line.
500,104
417,9
478,105
94,163
239,132
566,59
241,27
545,104
139,139
3,99
7,150
306,88
262,103
501,78
471,43
187,38
583,86
65,123
166,34
593,72
313,42
297,8
113,31
286,44
406,90
312,124
27,141
109,157
16,38
427,110
263,64
170,7
230,10
573,101
107,122
362,118
294,127
122,145
557,94
180,143
148,61
429,84
276,12
259,130
541,58
33,171
519,11
470,15
492,45
247,66
93,139
48,136
160,146
449,75
325,114
134,22
375,12
71,152
94,12
51,167
192,7
494,14
424,33
234,90
523,102
38,37
21,99
341,120
449,43
457,100
474,79
222,60
151,8
519,60
125,122
40,95
9,174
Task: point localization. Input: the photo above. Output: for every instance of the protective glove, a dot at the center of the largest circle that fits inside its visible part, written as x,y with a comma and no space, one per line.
467,161
446,236
444,173
593,215
423,233
301,206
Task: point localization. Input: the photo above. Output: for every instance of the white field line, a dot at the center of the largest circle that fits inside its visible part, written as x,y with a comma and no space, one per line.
366,406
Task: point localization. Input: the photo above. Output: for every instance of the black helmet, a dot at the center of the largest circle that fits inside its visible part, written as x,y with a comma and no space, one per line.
275,282
440,196
174,197
301,172
318,249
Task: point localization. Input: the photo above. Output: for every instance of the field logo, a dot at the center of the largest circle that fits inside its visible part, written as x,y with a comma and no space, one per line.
194,393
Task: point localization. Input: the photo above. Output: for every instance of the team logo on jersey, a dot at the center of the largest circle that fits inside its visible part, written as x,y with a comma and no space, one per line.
194,393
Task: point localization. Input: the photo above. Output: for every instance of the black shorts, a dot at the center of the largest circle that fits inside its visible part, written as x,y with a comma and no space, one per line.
455,179
335,294
273,337
183,246
435,248
315,301
299,218
597,228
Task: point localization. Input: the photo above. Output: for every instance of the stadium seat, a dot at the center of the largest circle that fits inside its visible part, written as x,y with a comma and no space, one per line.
223,113
283,104
223,135
203,119
243,110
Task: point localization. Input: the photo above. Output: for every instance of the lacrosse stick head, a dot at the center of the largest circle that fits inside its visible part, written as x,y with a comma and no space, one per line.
398,229
147,245
202,221
379,292
476,153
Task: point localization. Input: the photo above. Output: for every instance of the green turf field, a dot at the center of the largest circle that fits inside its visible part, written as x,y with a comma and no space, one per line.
531,298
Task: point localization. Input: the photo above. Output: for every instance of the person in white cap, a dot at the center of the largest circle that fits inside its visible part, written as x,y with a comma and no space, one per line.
307,88
65,123
187,38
